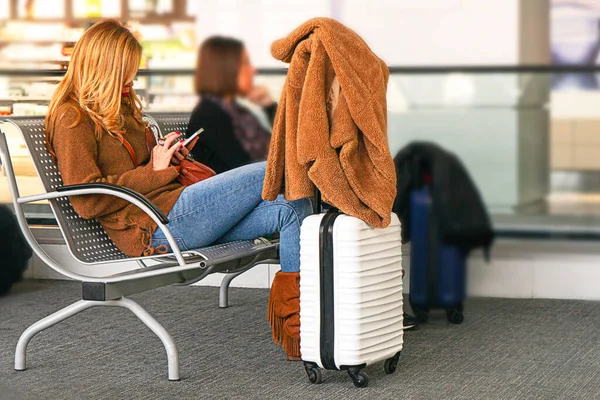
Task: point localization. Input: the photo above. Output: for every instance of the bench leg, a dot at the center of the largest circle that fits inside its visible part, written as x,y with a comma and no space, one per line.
224,291
69,311
61,315
157,328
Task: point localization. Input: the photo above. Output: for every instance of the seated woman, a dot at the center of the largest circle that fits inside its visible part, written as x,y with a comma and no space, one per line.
94,107
232,135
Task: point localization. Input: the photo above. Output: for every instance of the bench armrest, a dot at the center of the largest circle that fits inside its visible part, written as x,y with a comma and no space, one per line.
100,188
157,211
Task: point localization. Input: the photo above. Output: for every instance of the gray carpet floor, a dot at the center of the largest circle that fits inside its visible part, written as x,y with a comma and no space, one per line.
505,349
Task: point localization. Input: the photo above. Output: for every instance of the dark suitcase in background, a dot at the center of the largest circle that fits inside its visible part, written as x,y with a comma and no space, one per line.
14,250
437,271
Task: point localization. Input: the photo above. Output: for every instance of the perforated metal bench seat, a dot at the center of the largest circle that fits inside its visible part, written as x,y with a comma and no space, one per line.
232,258
89,244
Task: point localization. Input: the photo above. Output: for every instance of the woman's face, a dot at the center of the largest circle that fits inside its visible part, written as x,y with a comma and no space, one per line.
246,75
126,88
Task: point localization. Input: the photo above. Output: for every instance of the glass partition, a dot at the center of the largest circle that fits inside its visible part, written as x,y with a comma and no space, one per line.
529,137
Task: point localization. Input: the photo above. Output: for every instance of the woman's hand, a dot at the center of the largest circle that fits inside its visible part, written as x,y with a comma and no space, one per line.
183,152
163,152
260,95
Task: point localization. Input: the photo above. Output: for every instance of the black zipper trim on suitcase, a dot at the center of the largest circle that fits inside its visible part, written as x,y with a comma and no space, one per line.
433,259
327,298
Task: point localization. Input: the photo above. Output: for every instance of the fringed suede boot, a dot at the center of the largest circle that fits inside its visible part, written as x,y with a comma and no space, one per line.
283,313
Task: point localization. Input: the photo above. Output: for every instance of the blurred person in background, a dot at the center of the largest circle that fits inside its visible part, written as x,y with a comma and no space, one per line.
233,136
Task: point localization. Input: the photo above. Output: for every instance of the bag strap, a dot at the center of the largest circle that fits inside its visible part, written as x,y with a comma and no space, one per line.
129,149
150,143
150,138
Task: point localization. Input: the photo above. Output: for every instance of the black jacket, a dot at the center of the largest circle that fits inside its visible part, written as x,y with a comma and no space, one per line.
14,249
463,220
218,147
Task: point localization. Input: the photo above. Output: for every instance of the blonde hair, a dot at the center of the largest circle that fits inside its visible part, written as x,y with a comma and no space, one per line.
105,58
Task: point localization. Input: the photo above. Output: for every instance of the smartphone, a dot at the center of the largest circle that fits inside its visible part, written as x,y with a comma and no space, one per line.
188,140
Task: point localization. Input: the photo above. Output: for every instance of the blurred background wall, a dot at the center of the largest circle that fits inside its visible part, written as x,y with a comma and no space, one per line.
510,86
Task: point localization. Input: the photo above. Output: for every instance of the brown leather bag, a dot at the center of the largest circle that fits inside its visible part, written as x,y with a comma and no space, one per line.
190,171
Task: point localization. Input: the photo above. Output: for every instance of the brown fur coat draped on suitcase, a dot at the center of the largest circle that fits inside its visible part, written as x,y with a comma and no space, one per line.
346,155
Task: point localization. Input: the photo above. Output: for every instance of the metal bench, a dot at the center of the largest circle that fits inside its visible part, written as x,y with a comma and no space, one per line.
89,244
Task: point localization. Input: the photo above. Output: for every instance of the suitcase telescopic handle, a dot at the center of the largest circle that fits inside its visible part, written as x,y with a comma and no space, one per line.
317,203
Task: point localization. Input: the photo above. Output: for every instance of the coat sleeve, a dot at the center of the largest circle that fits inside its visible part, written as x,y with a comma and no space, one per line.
77,153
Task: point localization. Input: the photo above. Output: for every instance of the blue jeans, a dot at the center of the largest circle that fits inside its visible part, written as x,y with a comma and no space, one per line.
229,207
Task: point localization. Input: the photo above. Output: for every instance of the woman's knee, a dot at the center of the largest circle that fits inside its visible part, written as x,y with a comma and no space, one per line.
246,174
294,210
257,170
303,207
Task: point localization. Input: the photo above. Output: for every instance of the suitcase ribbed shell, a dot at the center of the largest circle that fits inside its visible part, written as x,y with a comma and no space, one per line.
368,305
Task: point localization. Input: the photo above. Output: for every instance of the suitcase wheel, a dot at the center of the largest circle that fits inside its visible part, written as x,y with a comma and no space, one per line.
455,315
313,372
391,363
359,378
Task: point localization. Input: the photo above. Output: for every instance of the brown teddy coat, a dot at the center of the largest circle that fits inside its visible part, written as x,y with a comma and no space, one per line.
345,154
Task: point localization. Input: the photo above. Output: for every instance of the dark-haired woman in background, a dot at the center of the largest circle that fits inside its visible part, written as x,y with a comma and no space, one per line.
232,135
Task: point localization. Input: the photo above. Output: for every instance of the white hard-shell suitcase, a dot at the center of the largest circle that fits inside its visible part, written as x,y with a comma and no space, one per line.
351,307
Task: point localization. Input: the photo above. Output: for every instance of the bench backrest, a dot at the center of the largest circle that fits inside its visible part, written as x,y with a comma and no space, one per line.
170,122
86,239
